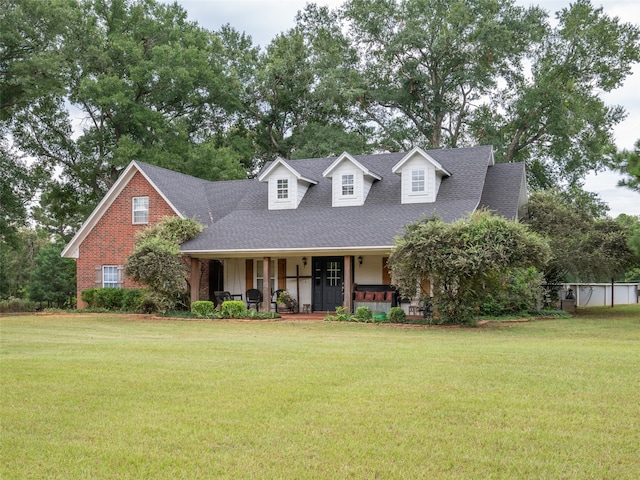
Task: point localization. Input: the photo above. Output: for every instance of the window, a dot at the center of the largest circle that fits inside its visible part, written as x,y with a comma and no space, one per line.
347,184
140,209
260,272
334,274
283,189
418,181
110,276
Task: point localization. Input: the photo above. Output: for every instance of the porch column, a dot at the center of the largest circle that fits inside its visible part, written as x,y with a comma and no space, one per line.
266,284
194,279
348,285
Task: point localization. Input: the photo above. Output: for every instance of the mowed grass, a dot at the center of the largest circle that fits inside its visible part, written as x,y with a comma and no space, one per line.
115,396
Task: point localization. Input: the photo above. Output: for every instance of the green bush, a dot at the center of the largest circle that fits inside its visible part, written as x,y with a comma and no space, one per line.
114,299
89,297
109,298
132,299
364,314
203,308
397,315
233,309
13,304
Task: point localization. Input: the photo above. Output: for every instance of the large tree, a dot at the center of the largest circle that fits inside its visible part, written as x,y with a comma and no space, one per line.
54,278
628,163
455,73
587,245
139,82
461,259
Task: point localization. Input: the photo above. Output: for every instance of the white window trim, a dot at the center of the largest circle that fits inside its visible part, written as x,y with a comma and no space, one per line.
424,182
286,190
352,184
134,210
111,283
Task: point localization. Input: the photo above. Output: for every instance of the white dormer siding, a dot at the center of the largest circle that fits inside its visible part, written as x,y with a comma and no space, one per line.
344,193
420,176
350,181
283,189
285,185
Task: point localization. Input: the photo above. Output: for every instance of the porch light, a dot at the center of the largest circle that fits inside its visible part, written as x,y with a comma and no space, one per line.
360,259
304,261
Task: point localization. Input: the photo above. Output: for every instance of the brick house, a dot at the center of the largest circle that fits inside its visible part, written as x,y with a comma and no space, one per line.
316,227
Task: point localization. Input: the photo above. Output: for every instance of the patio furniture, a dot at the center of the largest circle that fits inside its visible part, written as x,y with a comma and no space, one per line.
254,298
221,296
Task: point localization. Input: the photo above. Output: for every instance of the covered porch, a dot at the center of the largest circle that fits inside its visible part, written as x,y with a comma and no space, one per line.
319,281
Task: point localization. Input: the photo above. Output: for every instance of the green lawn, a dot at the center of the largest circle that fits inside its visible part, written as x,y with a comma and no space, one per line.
114,396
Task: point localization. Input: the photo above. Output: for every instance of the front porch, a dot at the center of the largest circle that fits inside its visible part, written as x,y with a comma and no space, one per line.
320,282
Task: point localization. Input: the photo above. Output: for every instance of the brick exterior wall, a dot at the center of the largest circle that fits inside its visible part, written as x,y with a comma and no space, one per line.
112,238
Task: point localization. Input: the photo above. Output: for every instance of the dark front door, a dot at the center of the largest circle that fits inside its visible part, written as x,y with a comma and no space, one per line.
216,278
328,280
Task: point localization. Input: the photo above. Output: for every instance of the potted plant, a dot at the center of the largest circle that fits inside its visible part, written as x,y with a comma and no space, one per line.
285,298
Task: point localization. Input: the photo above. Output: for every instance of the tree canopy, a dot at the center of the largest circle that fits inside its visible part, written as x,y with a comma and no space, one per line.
587,246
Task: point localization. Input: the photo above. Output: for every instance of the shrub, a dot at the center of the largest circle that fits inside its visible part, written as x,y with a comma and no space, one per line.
114,299
364,314
203,308
89,297
132,299
13,304
397,315
233,309
341,316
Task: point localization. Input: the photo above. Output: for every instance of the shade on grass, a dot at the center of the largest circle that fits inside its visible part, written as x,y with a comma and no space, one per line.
108,396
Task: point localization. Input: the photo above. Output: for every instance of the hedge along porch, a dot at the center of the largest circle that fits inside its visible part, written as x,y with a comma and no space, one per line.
331,212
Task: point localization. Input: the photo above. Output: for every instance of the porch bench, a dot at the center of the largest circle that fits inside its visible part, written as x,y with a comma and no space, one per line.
379,298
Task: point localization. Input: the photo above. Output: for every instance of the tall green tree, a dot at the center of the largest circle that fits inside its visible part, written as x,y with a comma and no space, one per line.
54,278
628,163
298,94
426,64
587,246
455,73
141,82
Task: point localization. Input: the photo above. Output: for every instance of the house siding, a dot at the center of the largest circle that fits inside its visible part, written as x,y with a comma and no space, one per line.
431,181
112,238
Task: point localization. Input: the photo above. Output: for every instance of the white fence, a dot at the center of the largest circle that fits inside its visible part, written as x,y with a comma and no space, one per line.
599,294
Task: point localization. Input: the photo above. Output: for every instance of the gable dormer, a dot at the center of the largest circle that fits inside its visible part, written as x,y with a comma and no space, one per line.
421,176
350,181
286,185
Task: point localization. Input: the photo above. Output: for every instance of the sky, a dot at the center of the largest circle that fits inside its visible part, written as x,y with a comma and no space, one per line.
262,20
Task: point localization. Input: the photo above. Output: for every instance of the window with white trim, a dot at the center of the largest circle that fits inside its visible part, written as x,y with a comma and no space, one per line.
283,188
348,182
110,276
418,183
140,210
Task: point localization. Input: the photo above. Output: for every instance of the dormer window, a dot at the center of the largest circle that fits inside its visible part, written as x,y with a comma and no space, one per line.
348,183
421,177
418,184
283,188
286,186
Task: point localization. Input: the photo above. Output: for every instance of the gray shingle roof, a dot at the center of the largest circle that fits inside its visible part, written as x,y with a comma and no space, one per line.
242,220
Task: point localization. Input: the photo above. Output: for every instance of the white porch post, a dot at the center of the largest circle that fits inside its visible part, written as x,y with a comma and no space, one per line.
266,284
348,286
